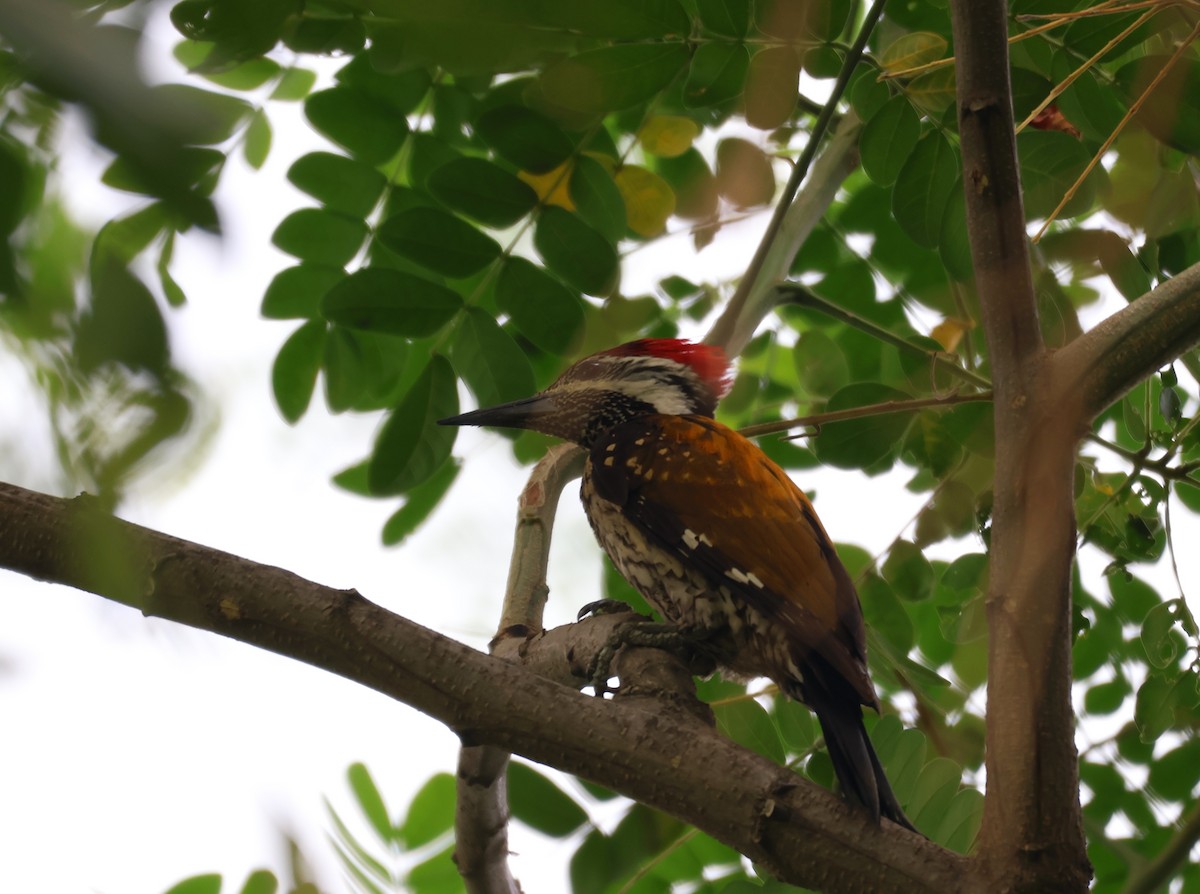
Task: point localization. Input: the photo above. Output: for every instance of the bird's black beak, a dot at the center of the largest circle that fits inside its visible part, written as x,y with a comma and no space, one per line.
523,413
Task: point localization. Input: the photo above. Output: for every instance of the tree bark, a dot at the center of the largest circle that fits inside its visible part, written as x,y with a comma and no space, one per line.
646,749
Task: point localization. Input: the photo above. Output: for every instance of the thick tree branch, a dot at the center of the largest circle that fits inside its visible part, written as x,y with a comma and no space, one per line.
1032,832
667,759
1105,362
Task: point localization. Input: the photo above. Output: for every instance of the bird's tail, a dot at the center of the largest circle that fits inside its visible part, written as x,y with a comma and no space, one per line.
854,759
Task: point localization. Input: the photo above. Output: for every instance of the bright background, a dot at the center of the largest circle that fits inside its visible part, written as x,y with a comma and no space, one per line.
137,752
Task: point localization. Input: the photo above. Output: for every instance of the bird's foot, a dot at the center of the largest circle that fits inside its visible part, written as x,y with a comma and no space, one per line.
683,641
603,607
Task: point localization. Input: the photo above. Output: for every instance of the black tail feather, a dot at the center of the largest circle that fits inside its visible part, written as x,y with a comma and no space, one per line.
854,759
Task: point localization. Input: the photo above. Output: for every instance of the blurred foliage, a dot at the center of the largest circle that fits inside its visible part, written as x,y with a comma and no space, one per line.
490,165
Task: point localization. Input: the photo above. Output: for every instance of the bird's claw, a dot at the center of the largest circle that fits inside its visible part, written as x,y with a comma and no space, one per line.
647,634
603,607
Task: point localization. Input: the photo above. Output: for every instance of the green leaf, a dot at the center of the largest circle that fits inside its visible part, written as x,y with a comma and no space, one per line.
296,292
261,882
525,138
174,295
1050,164
620,19
127,237
370,801
888,139
866,442
1154,710
597,199
912,50
437,875
431,812
820,364
885,614
482,190
386,300
193,164
320,236
1162,649
345,375
717,75
294,374
595,82
370,872
210,117
960,823
1174,775
209,883
693,182
954,248
729,18
1106,698
796,723
123,324
295,85
578,254
400,91
258,140
326,36
438,241
489,361
544,310
747,722
540,804
250,75
411,445
908,571
339,183
369,129
1172,110
419,503
240,31
923,189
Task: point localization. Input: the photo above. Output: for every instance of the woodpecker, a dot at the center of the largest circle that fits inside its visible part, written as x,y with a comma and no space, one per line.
715,535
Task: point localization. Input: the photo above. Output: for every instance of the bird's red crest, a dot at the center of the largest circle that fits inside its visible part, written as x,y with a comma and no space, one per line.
707,361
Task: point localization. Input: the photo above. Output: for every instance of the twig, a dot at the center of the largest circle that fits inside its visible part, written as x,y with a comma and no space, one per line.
802,296
775,252
481,813
1150,875
880,409
1133,110
1070,79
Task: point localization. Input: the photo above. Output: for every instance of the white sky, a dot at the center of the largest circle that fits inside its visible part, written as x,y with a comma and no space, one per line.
138,752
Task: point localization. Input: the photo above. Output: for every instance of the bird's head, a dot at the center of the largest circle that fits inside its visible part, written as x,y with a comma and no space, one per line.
652,375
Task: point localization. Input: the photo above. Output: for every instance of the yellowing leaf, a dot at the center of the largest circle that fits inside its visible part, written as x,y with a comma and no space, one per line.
668,135
950,331
649,200
933,91
552,186
913,50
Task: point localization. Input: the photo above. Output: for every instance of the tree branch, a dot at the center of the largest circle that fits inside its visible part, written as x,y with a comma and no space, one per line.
1108,360
1032,832
481,810
797,211
664,758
